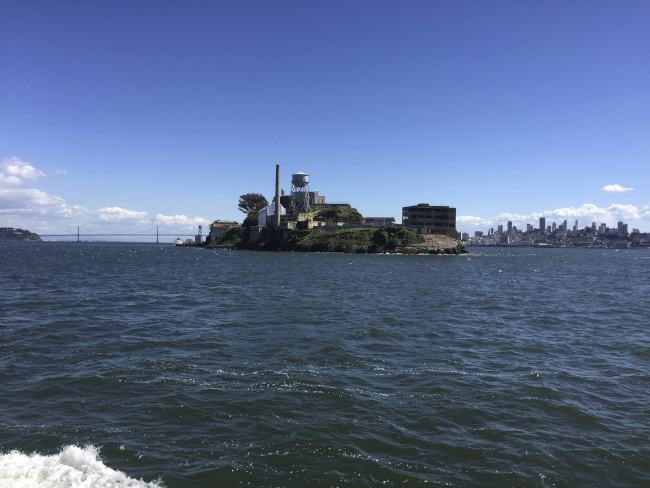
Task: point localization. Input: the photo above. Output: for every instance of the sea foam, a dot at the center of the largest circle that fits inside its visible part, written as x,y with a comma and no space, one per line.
73,467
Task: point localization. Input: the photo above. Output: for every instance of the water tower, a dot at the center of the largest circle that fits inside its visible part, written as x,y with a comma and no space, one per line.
300,192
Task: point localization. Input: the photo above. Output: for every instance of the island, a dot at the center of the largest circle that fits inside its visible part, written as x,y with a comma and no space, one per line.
12,234
390,239
304,221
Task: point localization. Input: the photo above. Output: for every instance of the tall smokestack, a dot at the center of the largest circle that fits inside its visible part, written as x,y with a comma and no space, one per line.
276,217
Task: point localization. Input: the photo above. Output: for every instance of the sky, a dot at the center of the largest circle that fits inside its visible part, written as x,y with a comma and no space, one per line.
127,116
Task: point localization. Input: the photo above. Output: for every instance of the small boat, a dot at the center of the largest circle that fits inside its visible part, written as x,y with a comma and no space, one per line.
178,242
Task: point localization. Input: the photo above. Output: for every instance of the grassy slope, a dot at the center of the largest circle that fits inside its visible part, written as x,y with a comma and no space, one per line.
349,240
383,239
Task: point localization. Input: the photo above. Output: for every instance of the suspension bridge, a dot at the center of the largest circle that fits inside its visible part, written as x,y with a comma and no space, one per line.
145,233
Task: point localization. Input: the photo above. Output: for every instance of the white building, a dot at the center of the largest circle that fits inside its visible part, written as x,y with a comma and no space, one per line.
265,215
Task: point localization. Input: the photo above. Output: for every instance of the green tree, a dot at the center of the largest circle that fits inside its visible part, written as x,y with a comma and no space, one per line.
250,220
252,203
380,237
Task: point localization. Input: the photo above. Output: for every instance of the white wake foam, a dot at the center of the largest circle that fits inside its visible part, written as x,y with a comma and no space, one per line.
73,467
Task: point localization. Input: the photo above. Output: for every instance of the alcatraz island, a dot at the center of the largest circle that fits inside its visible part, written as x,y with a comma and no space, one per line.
303,221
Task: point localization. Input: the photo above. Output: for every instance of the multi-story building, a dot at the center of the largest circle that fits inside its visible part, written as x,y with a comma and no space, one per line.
429,219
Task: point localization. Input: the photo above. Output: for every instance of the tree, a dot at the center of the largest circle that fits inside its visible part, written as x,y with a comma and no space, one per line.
250,220
252,203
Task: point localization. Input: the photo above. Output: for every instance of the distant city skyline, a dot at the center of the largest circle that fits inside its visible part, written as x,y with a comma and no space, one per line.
126,116
563,227
550,225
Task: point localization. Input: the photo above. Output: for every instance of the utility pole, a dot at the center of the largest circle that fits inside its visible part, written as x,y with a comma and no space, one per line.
157,235
78,234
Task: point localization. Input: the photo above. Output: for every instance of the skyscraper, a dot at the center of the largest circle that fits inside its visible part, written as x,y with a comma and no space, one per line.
542,224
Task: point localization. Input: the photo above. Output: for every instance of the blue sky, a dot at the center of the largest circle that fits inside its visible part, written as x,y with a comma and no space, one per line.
122,116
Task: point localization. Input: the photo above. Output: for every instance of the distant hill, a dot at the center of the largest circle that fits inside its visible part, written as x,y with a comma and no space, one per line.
11,234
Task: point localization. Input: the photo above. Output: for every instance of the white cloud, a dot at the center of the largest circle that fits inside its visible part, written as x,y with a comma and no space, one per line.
117,214
27,198
180,220
20,202
7,180
13,171
474,222
615,188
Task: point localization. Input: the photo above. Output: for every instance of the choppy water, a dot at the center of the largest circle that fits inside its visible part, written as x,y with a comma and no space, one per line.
190,367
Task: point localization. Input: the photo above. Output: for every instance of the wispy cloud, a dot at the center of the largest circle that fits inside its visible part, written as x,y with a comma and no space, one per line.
615,188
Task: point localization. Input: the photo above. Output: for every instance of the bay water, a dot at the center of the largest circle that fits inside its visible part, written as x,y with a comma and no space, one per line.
128,364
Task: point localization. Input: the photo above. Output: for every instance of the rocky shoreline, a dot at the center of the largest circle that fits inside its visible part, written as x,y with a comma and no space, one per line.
436,244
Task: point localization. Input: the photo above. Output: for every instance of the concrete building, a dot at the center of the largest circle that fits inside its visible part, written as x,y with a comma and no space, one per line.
430,219
378,221
316,199
265,216
220,227
542,224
